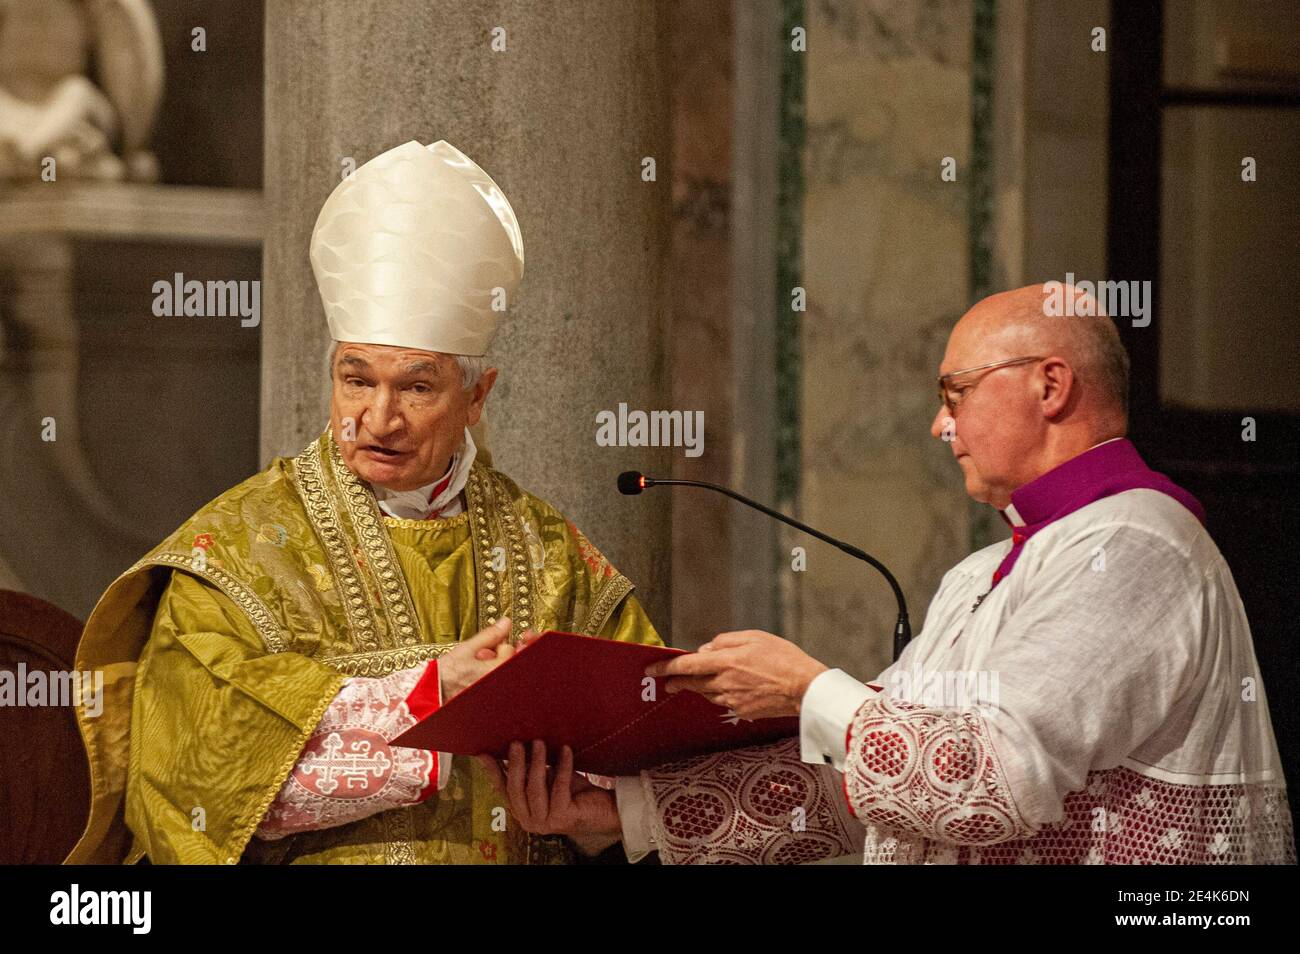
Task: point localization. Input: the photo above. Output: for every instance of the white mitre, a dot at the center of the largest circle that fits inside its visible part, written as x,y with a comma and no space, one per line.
415,249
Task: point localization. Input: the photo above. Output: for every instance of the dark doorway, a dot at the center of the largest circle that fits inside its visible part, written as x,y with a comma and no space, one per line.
1215,384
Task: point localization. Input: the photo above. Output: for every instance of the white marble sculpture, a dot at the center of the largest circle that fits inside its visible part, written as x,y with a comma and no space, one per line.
80,82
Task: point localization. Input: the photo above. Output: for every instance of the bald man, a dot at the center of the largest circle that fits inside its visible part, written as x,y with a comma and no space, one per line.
1083,693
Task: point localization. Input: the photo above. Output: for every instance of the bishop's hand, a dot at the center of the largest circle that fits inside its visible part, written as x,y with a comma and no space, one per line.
473,659
556,803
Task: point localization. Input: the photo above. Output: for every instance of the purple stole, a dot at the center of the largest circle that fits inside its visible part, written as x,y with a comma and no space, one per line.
1101,471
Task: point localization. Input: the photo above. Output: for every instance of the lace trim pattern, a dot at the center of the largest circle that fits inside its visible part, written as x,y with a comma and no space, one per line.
920,770
1124,818
348,770
929,789
759,805
929,786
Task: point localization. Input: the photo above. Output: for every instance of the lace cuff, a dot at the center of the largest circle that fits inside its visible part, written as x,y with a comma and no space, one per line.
920,771
348,770
759,805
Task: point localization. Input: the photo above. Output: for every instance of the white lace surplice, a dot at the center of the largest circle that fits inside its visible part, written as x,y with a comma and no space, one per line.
1127,723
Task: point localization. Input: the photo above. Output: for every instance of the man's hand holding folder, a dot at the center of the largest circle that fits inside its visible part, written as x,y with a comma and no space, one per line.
581,706
559,802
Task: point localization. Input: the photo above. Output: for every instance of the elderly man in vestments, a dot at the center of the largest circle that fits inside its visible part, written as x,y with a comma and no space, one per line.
259,661
1126,722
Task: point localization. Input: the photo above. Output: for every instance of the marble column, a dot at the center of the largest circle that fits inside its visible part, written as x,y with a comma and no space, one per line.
561,104
886,267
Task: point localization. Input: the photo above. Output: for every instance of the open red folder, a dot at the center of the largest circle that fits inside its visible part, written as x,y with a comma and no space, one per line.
592,695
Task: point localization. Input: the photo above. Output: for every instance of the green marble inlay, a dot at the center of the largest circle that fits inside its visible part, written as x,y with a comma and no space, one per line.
985,526
980,210
789,266
789,247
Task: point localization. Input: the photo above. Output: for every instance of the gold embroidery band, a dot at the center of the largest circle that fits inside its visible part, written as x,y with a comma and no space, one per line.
238,592
501,566
386,661
382,568
611,594
309,480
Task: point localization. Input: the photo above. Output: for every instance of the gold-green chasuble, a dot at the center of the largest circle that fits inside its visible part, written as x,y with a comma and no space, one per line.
223,646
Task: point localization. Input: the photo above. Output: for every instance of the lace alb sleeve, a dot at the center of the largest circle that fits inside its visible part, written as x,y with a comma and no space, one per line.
759,805
348,770
929,772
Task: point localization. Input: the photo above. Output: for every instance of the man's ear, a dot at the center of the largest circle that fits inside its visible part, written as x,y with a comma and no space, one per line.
1056,381
481,390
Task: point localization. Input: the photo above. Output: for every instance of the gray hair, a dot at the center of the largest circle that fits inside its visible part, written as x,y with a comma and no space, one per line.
1102,353
1112,364
1089,339
471,366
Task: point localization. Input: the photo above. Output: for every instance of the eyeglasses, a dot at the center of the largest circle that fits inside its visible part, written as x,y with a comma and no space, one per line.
950,398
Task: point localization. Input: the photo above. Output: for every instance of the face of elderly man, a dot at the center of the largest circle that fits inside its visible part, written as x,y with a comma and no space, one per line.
409,410
1016,422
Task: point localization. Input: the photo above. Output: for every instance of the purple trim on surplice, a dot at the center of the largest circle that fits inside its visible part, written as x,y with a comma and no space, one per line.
1104,470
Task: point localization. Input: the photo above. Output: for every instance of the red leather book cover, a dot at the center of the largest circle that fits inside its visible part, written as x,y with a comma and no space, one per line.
592,695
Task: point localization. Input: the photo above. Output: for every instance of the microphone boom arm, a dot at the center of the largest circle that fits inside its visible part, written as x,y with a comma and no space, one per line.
902,629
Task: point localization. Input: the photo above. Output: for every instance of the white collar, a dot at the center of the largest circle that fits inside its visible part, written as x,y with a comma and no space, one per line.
417,505
1013,515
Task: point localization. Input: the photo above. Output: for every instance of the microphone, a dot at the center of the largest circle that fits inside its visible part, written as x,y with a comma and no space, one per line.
631,483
